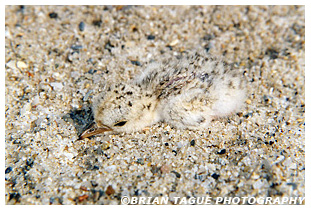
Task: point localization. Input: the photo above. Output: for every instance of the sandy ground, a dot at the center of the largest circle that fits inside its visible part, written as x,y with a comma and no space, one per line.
59,57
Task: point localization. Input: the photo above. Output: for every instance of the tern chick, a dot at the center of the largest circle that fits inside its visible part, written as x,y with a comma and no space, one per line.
186,93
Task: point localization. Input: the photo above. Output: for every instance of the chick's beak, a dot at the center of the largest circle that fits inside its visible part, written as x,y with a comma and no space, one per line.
94,131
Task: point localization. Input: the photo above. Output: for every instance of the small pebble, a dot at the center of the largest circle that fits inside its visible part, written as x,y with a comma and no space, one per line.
192,143
221,152
150,37
81,26
30,162
53,15
92,71
110,190
82,197
76,47
21,8
21,65
140,161
173,43
177,174
169,47
215,176
97,23
8,170
108,46
137,63
56,85
95,167
175,152
250,114
15,196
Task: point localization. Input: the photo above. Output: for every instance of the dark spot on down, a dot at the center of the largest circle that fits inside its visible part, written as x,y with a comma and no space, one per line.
119,97
204,77
201,120
230,84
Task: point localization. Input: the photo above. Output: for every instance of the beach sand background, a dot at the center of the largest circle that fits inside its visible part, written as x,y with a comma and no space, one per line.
59,57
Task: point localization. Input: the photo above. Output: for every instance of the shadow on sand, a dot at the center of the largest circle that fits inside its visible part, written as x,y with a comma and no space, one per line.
82,119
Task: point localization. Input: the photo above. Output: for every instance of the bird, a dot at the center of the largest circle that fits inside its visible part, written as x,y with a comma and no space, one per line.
186,92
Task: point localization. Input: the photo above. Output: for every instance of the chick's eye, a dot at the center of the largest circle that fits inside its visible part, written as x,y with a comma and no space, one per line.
120,123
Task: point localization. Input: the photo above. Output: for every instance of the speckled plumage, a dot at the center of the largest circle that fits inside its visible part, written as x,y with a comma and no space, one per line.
186,93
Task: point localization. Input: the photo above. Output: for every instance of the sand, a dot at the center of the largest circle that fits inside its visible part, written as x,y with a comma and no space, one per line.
59,57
